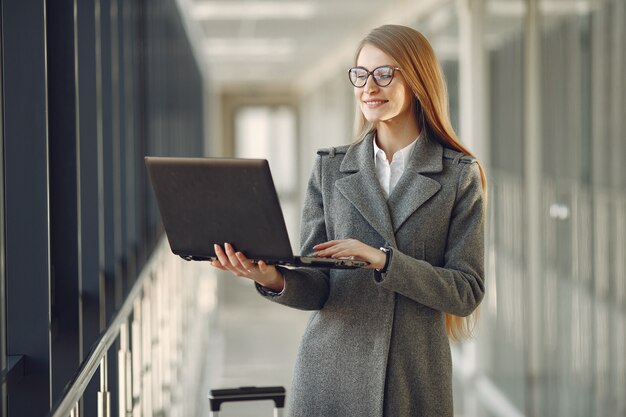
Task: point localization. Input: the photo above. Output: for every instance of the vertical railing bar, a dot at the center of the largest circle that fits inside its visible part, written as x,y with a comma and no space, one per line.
155,334
128,374
151,352
146,397
137,357
165,343
123,369
88,368
104,397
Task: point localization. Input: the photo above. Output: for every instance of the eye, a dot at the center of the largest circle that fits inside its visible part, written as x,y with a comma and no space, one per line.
383,73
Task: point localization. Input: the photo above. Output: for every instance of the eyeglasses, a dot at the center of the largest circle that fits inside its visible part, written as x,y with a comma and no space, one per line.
382,75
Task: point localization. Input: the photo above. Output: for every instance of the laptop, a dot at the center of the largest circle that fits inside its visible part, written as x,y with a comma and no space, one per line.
216,200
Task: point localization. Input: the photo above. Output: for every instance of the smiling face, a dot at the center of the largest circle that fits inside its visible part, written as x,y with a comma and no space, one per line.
391,104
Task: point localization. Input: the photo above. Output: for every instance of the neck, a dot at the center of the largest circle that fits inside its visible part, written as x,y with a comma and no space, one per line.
391,137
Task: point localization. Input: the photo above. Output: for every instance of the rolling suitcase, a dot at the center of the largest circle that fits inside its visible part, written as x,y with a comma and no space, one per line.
219,396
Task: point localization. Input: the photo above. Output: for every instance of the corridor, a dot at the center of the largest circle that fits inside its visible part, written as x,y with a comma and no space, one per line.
253,342
99,318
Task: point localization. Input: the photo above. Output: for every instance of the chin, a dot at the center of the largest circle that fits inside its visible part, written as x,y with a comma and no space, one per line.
374,118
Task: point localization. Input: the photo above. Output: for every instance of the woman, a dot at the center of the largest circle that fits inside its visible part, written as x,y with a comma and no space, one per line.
407,198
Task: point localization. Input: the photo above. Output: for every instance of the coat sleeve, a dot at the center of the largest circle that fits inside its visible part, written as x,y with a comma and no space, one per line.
458,286
307,288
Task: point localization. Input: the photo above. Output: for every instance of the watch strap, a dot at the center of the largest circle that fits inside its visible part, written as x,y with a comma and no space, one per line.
387,252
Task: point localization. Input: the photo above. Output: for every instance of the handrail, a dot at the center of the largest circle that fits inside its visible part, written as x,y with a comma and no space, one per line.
82,378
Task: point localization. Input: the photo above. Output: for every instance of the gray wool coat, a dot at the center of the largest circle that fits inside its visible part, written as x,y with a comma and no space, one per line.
376,344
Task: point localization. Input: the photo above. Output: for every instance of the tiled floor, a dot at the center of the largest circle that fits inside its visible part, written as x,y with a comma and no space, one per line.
252,342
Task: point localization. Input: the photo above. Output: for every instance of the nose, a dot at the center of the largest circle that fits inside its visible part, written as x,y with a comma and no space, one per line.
370,84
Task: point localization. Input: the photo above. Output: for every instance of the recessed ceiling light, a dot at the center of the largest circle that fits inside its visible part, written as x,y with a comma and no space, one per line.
517,8
249,47
258,10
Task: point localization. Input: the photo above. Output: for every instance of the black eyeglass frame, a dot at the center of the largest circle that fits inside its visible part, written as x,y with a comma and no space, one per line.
376,80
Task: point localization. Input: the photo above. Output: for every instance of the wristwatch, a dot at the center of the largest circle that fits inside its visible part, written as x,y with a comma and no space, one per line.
387,252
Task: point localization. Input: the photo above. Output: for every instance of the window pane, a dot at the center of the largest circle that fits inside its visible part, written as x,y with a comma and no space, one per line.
269,132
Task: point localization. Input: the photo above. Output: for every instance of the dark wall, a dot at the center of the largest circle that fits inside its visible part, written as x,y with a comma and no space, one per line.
89,87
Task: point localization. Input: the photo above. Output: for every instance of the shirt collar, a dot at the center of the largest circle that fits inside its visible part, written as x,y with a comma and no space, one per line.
404,153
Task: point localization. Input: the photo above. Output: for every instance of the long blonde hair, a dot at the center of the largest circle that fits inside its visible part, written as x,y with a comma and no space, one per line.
423,75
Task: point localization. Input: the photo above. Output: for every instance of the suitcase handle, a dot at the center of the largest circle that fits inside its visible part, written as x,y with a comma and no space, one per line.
219,396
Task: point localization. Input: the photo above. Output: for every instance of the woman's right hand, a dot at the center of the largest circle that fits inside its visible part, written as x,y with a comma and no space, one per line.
265,275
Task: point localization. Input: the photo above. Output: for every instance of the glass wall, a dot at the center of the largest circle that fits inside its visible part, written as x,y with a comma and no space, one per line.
89,88
582,54
503,332
559,351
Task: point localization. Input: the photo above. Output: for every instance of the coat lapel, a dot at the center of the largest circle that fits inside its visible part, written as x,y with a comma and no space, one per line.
413,188
363,190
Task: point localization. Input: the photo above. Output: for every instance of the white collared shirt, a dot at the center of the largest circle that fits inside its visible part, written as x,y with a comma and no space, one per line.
389,174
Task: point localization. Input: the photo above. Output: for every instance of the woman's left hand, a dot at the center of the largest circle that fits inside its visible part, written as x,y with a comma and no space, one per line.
346,248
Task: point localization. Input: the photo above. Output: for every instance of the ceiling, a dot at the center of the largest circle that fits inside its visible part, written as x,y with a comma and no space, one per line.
294,43
287,42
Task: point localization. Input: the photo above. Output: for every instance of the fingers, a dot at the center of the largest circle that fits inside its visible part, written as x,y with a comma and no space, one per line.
216,263
222,259
228,260
325,245
235,262
327,249
345,248
262,267
232,257
346,253
246,264
332,248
